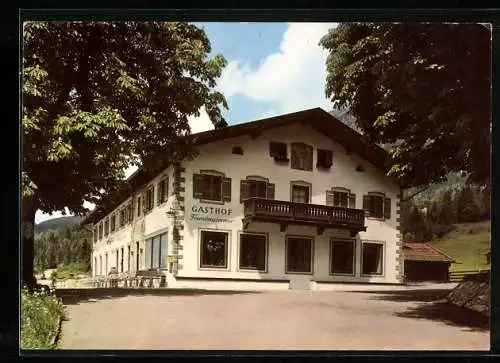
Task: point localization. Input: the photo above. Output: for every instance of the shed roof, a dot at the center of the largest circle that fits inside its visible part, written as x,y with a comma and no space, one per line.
424,252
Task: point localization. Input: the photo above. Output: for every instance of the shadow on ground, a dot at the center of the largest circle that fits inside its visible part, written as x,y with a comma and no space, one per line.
76,296
434,307
449,314
422,295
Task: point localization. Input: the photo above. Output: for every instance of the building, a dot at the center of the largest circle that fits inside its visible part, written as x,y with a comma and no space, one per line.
424,262
298,200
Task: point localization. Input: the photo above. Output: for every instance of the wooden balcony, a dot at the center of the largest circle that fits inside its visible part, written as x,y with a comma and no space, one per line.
285,213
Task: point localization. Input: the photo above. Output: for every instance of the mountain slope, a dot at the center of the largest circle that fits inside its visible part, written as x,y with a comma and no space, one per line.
56,223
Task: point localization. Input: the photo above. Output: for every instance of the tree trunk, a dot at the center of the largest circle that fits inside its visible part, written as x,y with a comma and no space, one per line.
28,241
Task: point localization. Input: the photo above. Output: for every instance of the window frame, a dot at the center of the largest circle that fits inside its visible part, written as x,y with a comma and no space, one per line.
112,223
198,192
351,197
227,250
106,227
149,199
311,239
212,192
150,264
257,179
266,252
383,255
337,240
162,190
324,152
308,156
384,198
301,183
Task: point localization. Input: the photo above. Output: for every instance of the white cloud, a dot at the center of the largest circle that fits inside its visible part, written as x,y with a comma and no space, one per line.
292,79
200,123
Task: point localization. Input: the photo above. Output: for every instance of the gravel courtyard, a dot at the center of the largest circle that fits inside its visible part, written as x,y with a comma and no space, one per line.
277,320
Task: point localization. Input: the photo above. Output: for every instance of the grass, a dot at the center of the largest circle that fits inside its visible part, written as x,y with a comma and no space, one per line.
41,313
467,245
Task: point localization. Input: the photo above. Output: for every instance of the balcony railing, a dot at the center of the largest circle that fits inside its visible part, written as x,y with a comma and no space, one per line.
303,213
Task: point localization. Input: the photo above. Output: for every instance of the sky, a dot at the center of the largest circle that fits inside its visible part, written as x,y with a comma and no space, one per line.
273,68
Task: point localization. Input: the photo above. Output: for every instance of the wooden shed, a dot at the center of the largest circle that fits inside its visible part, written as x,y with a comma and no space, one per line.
424,262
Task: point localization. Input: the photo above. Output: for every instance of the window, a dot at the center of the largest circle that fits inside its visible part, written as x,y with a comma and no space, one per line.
377,205
113,222
100,265
156,252
139,206
256,187
302,156
253,251
372,258
342,257
212,186
106,227
213,251
277,150
121,260
122,217
299,255
300,193
116,253
100,230
131,210
162,191
341,197
238,150
95,234
149,199
324,159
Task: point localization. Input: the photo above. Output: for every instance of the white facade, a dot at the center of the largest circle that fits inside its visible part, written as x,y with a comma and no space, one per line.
183,267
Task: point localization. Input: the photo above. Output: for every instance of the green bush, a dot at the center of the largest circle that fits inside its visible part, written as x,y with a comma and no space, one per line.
40,315
72,270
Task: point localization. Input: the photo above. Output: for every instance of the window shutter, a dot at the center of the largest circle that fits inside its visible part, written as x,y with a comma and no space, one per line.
166,187
366,204
309,158
144,197
352,200
328,158
158,192
387,208
226,189
270,190
294,156
329,198
131,211
244,190
197,186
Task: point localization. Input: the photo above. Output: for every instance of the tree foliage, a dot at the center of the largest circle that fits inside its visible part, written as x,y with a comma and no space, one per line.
100,96
62,247
424,88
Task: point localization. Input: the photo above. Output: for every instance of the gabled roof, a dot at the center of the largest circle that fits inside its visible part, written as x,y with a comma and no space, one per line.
317,118
424,252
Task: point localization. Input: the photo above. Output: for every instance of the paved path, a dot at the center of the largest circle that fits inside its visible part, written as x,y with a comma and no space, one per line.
309,320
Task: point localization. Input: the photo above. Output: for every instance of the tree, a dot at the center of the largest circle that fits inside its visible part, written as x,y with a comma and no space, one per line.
101,96
424,88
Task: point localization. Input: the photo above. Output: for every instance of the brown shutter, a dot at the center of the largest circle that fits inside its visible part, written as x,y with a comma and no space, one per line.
366,204
387,208
131,211
329,198
352,200
328,158
270,190
144,197
244,190
226,189
293,156
309,158
197,186
158,192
